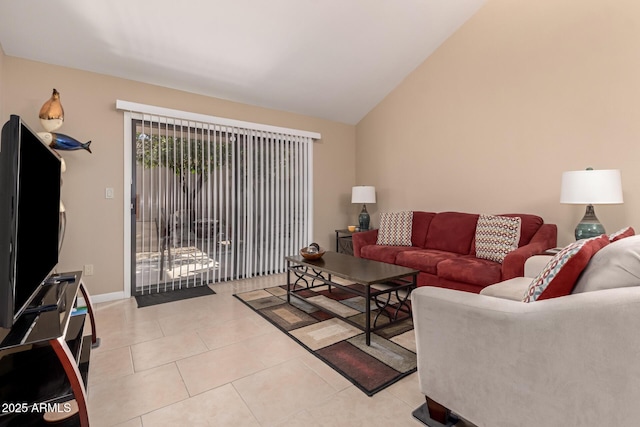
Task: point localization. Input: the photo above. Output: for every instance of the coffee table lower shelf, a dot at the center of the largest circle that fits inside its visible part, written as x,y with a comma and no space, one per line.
393,310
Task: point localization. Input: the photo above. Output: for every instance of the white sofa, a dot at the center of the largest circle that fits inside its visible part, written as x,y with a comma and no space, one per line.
567,361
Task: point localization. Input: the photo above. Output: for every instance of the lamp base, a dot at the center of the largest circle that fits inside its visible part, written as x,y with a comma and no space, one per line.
363,219
589,226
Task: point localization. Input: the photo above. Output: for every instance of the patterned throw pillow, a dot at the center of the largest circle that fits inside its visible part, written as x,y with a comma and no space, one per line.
621,234
559,276
496,236
395,228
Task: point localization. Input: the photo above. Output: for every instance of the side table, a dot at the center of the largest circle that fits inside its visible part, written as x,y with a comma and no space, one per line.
344,242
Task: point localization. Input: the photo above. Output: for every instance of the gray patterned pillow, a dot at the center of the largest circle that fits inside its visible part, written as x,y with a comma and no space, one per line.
395,228
496,236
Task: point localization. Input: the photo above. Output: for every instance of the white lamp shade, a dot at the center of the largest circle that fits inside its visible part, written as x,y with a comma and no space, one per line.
363,194
591,187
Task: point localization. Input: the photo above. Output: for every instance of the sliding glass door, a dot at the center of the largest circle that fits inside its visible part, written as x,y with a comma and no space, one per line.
212,203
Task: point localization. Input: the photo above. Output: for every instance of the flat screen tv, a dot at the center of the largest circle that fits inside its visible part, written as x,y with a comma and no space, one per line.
29,217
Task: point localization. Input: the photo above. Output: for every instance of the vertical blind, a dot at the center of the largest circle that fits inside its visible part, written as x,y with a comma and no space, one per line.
216,202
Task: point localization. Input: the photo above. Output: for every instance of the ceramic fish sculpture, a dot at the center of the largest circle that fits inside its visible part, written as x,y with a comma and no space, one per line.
52,114
60,141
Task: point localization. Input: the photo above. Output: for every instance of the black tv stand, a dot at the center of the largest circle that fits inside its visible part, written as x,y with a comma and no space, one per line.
44,358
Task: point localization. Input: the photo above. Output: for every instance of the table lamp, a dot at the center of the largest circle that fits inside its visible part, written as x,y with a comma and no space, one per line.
591,187
363,194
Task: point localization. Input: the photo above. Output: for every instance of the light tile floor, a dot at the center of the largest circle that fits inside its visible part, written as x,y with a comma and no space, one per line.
211,361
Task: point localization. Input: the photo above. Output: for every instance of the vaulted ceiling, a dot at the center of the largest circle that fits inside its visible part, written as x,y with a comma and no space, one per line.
333,59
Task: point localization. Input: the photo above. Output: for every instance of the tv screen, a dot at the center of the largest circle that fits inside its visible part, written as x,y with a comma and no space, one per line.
29,216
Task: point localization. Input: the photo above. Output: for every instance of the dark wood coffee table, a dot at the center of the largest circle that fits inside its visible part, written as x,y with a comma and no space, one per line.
313,274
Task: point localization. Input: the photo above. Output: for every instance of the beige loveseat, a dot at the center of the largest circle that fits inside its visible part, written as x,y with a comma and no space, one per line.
573,360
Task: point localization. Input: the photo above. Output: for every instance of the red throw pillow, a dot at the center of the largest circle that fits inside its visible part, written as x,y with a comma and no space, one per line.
621,234
560,275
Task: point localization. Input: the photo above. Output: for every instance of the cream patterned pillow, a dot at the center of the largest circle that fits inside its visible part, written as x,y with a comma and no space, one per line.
395,228
561,273
496,236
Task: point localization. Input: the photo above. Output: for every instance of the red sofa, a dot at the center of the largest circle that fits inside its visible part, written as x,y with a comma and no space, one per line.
443,249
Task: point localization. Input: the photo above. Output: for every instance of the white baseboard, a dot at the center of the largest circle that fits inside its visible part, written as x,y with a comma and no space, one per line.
96,299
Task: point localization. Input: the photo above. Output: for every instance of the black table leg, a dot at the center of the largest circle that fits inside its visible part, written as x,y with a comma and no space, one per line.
288,281
367,309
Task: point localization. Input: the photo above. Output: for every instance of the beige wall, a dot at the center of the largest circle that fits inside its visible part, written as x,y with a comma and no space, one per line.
95,224
522,92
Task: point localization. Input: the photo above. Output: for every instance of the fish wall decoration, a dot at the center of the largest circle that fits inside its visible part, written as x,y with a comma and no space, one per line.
60,141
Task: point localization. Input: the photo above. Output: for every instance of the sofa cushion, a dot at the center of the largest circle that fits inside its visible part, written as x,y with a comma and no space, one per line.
621,234
424,259
469,269
452,232
496,236
395,228
383,253
615,266
529,227
421,222
559,276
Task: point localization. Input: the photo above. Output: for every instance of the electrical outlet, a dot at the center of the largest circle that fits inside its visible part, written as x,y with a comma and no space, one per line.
108,193
88,269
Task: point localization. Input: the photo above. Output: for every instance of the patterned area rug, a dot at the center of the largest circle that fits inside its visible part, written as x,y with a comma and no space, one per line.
390,357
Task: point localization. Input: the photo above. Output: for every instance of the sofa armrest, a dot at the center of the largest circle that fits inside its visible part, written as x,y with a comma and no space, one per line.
363,238
513,264
534,265
516,287
492,360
